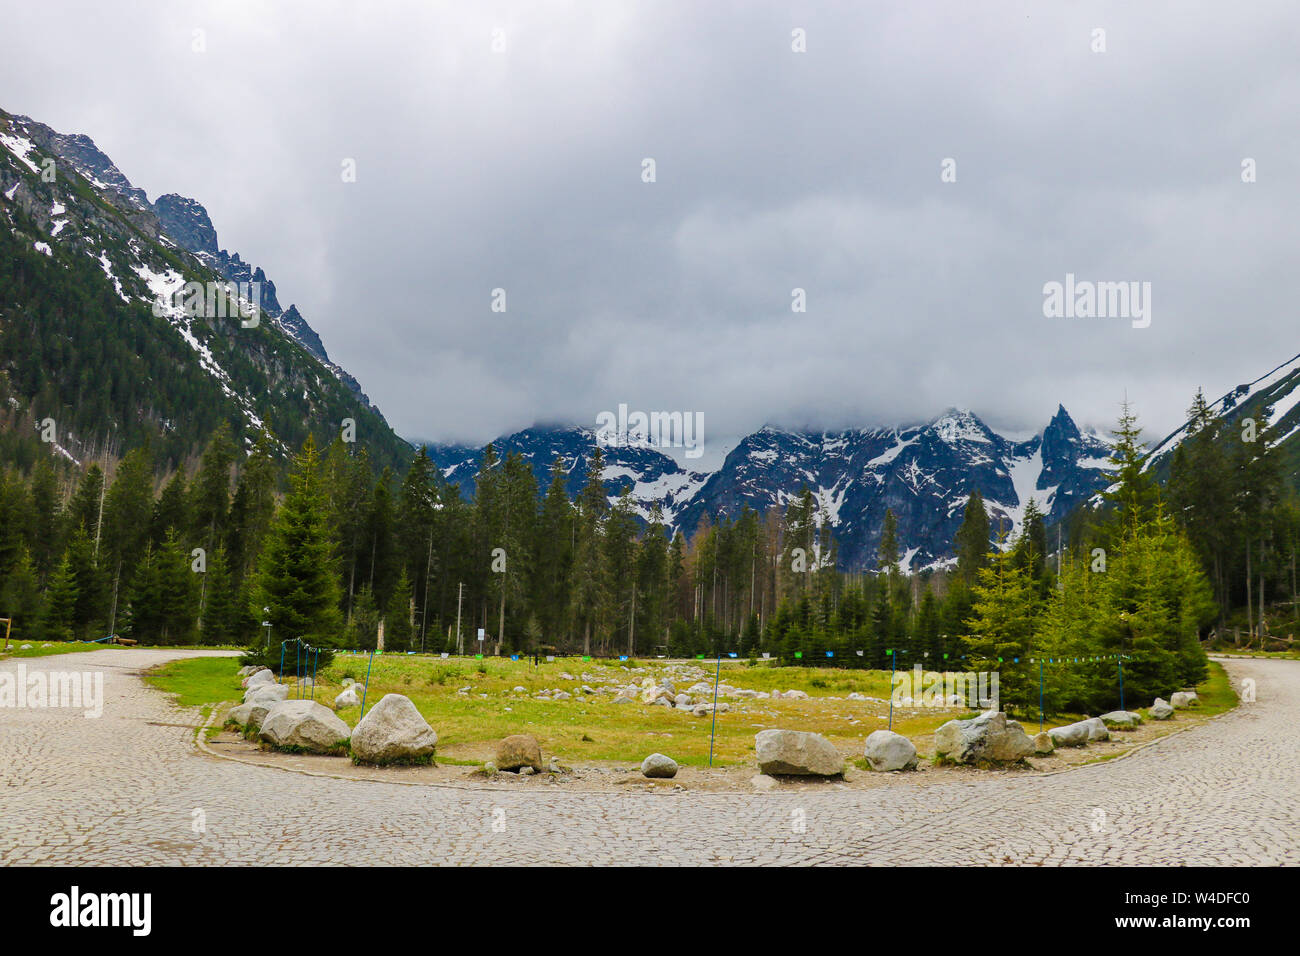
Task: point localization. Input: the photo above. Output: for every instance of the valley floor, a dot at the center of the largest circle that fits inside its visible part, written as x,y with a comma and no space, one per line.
125,788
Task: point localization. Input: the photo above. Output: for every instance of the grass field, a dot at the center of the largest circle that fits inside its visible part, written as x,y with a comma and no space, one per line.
472,704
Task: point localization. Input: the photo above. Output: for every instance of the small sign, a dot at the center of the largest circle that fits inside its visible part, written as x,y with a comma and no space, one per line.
830,653
478,657
622,657
731,653
767,656
514,657
586,657
550,658
699,657
798,654
444,655
480,635
859,653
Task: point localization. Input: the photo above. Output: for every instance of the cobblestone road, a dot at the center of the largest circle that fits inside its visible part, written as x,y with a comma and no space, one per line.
124,788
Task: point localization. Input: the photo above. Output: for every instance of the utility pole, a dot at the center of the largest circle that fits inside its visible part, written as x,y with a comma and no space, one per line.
460,590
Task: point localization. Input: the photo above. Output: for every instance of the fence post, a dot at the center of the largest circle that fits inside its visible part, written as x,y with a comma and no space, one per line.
366,690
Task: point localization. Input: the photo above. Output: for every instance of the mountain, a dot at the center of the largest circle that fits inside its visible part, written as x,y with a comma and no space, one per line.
924,473
95,335
653,477
1273,397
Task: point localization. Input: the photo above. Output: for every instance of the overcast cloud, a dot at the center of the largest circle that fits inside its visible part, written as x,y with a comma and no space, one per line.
522,169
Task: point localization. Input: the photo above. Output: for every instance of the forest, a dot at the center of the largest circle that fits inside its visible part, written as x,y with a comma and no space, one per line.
237,550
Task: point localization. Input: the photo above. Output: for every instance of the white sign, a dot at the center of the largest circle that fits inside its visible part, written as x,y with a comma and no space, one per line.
480,633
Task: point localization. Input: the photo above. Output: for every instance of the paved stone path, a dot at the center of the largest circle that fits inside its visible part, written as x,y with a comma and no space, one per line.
125,789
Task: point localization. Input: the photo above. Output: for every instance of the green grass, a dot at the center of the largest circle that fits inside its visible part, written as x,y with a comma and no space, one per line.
56,647
199,680
593,728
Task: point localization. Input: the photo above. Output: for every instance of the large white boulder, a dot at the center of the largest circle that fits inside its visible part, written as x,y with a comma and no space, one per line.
886,750
272,692
304,724
1071,735
1121,720
797,752
1096,729
258,677
988,738
393,731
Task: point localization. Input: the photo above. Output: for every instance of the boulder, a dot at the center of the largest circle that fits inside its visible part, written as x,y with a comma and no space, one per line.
658,766
1183,699
886,750
349,698
682,700
393,731
262,692
258,677
519,750
1071,735
797,752
988,738
1161,709
1043,744
1121,720
305,724
245,670
252,714
795,695
1096,729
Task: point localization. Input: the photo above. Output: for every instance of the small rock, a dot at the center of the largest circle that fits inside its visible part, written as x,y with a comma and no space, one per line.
887,751
1121,720
1183,699
1161,709
1043,744
659,766
519,750
762,782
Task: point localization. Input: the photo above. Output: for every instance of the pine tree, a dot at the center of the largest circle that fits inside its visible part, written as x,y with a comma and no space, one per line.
297,578
972,541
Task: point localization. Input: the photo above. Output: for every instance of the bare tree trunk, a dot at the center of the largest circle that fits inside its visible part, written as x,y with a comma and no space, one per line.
1250,601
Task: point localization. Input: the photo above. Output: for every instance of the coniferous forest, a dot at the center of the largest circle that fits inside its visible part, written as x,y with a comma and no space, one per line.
244,549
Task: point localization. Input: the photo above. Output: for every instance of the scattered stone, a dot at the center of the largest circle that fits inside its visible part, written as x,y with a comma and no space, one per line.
795,695
1121,720
258,677
348,682
1043,744
519,750
886,751
393,731
348,698
797,752
526,771
762,782
1071,735
561,695
682,700
267,692
305,724
659,766
1161,709
988,738
521,690
1096,729
1183,699
587,690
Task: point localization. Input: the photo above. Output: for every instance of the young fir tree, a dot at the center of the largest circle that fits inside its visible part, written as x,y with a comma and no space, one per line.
1002,629
972,541
297,579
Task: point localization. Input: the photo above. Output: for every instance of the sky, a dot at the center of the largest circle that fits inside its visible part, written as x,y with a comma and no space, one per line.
504,147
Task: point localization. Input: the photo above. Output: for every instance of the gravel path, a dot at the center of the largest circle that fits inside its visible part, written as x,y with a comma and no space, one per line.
131,788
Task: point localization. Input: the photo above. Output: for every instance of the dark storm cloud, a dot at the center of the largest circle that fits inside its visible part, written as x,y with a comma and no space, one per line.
521,170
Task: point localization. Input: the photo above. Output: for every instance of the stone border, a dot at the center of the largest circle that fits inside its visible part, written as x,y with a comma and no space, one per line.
201,741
